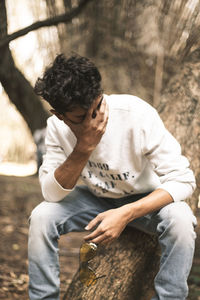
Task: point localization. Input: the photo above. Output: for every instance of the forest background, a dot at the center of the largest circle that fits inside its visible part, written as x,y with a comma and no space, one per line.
147,48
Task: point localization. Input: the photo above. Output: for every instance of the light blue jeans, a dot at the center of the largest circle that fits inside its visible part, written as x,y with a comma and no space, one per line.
174,225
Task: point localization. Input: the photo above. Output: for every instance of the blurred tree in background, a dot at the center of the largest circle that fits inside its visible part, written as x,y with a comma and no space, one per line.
135,42
146,48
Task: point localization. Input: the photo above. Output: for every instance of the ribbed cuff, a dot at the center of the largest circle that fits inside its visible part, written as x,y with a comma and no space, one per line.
179,191
52,191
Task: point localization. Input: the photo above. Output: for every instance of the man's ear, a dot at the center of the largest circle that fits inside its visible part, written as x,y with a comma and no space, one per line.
58,115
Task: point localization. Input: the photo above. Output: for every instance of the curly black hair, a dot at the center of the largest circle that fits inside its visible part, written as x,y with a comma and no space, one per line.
69,82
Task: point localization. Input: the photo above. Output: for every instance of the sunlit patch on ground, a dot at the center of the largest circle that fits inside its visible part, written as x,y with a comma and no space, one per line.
16,169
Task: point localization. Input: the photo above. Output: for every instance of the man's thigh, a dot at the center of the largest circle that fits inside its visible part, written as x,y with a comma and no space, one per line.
74,212
174,211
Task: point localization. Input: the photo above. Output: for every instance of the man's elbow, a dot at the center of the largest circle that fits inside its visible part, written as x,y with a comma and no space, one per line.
53,197
51,189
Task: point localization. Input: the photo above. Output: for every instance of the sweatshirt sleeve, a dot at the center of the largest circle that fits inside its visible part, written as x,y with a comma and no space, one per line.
52,191
164,154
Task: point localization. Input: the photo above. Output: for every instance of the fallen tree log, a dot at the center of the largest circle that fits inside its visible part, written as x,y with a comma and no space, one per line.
130,264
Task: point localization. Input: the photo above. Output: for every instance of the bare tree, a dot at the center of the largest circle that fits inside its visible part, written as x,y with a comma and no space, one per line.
17,87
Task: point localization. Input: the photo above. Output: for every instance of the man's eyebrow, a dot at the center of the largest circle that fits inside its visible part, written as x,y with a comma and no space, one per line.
80,116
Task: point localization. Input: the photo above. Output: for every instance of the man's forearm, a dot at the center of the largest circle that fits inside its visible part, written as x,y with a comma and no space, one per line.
111,223
154,201
88,135
69,172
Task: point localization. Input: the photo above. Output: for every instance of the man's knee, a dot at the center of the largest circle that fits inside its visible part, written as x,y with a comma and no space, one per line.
178,220
42,216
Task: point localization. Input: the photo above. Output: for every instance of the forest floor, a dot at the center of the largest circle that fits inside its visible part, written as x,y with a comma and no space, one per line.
18,196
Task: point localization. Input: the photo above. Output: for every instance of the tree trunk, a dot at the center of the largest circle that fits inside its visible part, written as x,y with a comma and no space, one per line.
180,111
21,93
17,87
130,264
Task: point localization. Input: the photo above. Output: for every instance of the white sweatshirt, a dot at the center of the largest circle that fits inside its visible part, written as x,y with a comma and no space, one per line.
136,154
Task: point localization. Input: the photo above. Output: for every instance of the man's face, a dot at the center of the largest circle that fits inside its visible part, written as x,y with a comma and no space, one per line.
76,116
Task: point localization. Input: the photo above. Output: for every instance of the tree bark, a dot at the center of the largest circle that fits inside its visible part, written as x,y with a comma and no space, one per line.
130,264
180,111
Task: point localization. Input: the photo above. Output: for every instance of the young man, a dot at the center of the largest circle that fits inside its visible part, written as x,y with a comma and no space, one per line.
133,171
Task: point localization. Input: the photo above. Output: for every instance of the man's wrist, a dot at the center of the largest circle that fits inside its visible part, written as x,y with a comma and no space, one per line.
127,213
83,149
132,210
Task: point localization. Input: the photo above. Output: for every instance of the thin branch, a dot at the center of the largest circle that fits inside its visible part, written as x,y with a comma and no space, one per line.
64,18
190,42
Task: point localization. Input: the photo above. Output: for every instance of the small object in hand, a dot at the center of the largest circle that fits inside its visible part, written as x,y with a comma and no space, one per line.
87,252
86,275
94,114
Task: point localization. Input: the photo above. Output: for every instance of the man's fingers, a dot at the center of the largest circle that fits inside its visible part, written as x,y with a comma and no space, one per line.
102,114
106,113
92,235
103,117
93,107
101,239
92,223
